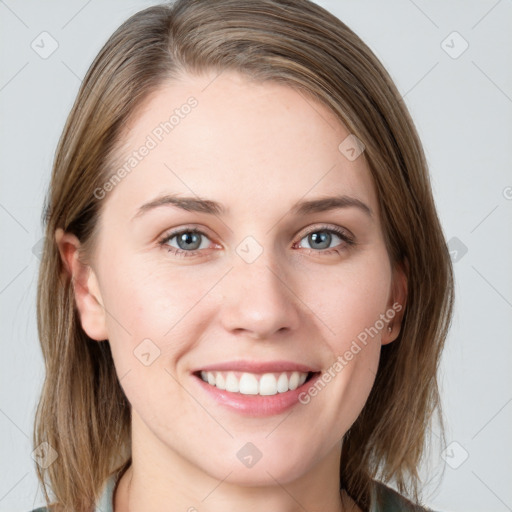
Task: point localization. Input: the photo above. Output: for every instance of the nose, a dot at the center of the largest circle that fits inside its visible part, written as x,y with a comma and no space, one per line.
258,300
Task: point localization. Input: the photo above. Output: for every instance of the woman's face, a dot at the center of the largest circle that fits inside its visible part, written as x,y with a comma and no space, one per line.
278,284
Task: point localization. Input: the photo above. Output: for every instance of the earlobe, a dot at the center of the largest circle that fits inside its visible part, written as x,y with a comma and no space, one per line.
85,286
397,303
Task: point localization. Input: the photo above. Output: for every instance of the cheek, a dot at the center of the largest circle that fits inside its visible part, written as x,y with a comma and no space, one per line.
150,322
139,293
145,300
353,303
351,298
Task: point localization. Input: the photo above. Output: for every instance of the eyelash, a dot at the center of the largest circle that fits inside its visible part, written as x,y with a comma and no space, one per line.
349,241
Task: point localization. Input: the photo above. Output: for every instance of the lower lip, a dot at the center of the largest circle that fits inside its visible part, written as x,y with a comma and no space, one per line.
257,405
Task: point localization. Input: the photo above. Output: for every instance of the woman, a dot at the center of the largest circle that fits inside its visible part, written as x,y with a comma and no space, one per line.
245,289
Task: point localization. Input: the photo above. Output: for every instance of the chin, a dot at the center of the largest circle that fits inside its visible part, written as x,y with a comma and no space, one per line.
252,467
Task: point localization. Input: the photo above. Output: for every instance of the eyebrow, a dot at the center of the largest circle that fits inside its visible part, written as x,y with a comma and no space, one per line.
301,208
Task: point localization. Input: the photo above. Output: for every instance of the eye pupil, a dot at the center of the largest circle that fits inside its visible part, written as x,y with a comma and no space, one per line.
320,237
187,239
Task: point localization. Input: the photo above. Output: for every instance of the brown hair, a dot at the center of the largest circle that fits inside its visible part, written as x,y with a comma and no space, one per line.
83,413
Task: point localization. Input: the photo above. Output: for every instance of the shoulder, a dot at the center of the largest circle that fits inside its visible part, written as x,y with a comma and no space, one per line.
40,509
386,499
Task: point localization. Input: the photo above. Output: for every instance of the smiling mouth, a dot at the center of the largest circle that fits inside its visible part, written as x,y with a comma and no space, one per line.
263,384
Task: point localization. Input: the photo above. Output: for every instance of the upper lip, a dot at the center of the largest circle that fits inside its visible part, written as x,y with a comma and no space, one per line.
258,367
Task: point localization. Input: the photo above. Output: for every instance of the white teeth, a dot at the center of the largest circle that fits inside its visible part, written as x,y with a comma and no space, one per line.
220,381
282,383
232,383
268,384
294,380
248,383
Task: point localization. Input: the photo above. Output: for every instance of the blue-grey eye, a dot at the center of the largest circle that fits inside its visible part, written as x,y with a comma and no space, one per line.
321,239
188,240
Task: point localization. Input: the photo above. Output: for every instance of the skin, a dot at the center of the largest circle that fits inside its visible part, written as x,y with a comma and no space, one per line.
257,149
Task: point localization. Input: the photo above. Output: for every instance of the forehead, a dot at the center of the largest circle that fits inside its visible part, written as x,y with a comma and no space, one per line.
242,143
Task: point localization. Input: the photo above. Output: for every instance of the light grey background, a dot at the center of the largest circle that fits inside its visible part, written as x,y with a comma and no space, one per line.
462,106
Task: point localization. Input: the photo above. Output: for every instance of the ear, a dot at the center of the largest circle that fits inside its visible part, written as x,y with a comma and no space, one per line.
396,303
85,286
